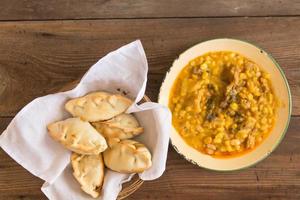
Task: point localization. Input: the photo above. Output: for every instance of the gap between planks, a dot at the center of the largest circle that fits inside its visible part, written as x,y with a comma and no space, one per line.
142,18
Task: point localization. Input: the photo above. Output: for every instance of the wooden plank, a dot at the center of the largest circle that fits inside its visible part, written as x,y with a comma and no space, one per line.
38,58
277,177
96,9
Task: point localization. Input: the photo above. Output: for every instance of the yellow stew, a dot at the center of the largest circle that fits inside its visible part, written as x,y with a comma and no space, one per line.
223,104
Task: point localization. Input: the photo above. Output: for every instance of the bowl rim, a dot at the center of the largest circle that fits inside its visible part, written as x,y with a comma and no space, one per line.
289,107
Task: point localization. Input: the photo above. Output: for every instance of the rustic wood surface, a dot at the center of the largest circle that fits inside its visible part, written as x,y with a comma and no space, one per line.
102,9
38,58
45,45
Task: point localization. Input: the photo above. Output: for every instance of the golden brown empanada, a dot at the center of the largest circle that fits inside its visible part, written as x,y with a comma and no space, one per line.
127,156
89,172
98,106
78,136
123,126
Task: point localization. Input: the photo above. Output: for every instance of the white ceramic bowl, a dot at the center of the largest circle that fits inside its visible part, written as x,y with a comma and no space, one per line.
281,89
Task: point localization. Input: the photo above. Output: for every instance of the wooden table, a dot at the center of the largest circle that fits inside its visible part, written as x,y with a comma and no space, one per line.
45,45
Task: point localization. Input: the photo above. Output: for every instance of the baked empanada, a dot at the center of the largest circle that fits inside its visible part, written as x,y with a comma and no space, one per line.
78,136
89,172
127,156
123,126
98,106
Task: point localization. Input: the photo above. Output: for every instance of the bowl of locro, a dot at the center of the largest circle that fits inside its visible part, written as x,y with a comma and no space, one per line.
230,103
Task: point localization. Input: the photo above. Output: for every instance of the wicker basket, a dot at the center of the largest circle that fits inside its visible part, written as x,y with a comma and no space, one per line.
130,187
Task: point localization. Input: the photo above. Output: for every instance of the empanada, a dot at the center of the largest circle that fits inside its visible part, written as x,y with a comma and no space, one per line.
78,136
123,126
89,172
98,106
127,156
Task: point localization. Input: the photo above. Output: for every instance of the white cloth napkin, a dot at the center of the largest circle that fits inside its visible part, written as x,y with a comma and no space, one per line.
26,139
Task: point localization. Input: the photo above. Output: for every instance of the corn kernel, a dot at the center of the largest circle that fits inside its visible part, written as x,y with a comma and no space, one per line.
259,139
240,61
205,75
182,113
204,66
270,120
213,64
221,129
219,135
250,96
208,140
227,143
266,75
217,140
229,148
235,142
234,106
223,149
195,77
193,63
188,108
243,76
254,109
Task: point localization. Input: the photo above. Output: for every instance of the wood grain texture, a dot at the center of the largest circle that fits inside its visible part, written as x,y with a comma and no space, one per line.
38,58
277,177
96,9
45,45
